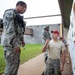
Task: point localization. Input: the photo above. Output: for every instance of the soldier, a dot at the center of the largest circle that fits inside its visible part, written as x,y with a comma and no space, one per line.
45,36
12,37
54,46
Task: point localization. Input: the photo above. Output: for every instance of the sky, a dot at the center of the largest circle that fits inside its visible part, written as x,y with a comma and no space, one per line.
35,8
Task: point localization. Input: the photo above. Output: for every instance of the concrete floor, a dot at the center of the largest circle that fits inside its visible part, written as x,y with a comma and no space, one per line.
36,66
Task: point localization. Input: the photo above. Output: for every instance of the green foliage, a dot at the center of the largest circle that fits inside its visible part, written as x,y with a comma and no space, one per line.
31,51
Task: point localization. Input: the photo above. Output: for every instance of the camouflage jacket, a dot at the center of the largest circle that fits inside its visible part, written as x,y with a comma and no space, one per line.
12,31
45,36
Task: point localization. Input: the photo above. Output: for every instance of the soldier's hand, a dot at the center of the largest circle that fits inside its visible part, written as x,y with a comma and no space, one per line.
47,41
23,44
18,50
61,67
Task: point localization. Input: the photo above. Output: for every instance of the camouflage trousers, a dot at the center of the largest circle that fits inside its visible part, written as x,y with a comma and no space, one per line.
52,67
45,56
12,62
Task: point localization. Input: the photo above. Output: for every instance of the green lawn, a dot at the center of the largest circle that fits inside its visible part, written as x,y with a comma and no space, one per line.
31,51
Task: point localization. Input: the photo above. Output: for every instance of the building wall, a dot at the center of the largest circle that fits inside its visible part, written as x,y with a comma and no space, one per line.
37,32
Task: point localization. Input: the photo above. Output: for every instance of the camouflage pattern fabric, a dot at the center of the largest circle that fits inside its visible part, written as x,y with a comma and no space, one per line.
45,36
52,67
12,37
12,61
12,31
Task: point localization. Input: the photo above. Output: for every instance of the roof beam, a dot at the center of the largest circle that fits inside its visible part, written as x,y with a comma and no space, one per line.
65,8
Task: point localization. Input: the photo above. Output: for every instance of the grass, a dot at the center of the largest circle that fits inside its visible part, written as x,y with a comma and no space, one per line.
31,51
2,61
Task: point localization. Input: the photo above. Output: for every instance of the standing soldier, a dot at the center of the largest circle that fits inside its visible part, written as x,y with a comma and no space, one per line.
54,46
12,37
45,36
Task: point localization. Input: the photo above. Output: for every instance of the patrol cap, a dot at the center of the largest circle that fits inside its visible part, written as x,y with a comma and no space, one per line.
46,27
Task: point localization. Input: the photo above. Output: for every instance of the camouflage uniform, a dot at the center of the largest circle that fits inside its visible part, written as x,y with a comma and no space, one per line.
45,36
52,67
12,37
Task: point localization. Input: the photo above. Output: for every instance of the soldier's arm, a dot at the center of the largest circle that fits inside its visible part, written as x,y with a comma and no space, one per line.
9,27
45,46
63,58
44,33
22,40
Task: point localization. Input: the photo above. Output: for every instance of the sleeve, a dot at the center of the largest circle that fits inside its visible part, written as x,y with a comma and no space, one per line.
9,27
43,37
49,36
43,34
22,33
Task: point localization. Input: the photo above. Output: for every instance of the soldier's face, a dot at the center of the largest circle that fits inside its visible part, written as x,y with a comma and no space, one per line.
47,29
22,9
55,36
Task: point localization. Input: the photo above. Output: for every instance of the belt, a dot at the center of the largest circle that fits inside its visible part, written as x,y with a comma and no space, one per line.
54,59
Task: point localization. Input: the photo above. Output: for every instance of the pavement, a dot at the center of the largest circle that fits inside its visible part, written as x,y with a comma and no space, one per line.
36,66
